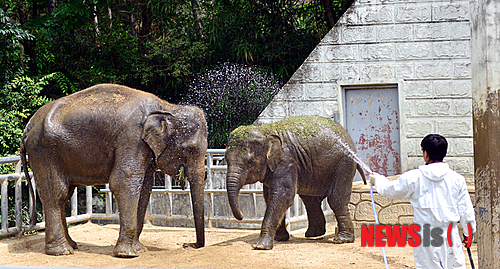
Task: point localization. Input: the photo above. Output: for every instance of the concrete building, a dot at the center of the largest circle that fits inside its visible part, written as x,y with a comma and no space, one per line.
391,72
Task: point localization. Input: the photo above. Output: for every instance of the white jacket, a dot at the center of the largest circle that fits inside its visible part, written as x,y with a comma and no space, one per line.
439,197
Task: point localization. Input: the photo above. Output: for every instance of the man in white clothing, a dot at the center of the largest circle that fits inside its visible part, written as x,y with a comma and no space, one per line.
439,197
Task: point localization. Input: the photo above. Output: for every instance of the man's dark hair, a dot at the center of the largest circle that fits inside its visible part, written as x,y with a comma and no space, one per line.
436,146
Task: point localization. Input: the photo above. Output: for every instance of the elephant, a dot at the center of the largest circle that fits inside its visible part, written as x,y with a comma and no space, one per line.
303,155
113,134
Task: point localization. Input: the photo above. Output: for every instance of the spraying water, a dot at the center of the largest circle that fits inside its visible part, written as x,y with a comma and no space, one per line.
355,157
231,95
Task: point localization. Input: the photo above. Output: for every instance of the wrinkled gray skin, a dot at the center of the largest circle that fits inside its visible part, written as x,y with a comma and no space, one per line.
113,134
314,165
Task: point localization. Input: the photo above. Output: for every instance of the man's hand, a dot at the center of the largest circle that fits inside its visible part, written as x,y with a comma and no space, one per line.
466,242
373,177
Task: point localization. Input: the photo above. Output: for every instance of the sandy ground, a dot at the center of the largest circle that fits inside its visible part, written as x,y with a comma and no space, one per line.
224,248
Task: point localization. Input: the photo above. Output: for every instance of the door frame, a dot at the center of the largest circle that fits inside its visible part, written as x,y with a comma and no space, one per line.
401,110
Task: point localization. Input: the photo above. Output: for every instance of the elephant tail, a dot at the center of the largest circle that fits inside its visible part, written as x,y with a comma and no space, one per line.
28,178
361,172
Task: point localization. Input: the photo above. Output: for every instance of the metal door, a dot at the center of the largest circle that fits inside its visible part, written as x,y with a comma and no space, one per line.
372,121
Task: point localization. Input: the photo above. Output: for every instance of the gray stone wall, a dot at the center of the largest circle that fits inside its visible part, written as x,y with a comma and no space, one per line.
421,46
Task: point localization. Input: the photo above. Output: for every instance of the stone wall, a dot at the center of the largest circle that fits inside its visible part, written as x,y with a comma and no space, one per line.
423,47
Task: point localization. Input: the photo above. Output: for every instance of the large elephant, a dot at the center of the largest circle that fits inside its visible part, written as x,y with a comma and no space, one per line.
113,134
305,155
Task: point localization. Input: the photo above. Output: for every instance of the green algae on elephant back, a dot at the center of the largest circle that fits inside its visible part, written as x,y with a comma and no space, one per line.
304,155
304,127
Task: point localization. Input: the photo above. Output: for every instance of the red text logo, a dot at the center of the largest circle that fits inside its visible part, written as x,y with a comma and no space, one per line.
399,235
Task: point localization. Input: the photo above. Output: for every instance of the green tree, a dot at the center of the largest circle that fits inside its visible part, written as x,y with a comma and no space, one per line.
159,46
20,95
275,34
12,57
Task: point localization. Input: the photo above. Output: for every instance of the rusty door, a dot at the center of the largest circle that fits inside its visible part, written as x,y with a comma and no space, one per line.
372,121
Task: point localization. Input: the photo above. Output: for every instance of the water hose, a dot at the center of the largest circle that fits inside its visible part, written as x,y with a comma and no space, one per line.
364,166
376,222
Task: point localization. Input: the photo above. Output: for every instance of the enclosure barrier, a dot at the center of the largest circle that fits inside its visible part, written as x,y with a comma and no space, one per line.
296,215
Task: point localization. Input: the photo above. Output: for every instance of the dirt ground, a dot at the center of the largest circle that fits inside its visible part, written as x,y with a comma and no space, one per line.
225,248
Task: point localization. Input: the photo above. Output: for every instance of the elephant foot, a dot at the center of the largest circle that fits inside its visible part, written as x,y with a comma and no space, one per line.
72,243
343,237
265,243
315,232
190,245
139,247
346,230
124,250
282,235
58,249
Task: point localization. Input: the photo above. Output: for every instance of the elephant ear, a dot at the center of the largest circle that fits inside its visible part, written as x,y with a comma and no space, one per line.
274,151
156,131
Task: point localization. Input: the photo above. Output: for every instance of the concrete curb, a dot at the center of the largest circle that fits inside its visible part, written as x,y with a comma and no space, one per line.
15,244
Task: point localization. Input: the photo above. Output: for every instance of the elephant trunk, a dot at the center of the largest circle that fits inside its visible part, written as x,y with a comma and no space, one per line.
234,184
196,177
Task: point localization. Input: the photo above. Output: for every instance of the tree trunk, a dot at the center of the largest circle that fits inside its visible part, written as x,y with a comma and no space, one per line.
28,45
51,6
330,15
146,21
197,20
96,21
110,16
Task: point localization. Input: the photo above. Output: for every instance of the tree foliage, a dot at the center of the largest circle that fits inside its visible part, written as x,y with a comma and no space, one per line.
20,94
51,48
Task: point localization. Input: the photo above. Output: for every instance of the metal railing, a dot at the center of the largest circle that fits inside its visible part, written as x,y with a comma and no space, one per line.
214,163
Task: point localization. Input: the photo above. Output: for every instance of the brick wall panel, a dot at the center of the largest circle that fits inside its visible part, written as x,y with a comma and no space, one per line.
413,13
453,88
395,32
376,14
448,12
412,51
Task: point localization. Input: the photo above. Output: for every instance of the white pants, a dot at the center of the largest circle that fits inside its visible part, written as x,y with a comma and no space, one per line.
442,257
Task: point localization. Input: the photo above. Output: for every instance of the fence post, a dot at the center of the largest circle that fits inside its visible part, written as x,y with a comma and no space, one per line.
109,202
18,199
168,186
74,203
88,201
32,202
4,204
210,206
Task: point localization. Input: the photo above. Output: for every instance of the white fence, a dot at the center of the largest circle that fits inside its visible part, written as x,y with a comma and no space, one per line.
169,206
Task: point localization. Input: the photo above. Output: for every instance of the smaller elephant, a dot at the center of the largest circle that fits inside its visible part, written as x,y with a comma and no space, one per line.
303,154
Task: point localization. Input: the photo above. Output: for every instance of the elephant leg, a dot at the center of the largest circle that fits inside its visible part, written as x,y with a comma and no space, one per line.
71,242
315,216
278,200
53,193
127,192
281,233
339,198
147,185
